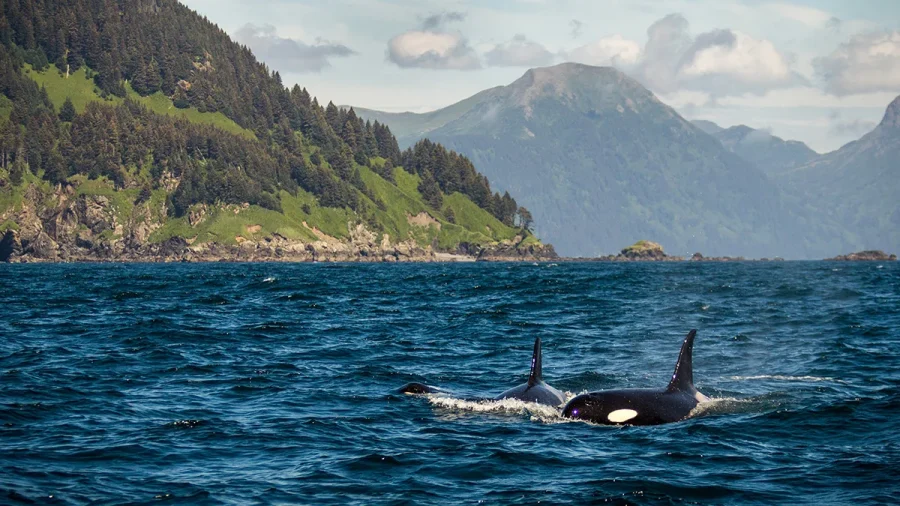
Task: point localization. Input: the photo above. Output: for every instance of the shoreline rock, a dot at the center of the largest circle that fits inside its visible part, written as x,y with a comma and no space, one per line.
865,256
275,249
66,227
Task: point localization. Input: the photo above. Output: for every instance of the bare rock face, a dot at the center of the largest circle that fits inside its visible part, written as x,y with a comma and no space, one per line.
94,212
44,247
698,257
8,244
509,250
197,215
863,256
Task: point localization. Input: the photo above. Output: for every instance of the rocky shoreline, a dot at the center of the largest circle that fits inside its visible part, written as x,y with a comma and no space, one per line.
68,227
274,249
865,256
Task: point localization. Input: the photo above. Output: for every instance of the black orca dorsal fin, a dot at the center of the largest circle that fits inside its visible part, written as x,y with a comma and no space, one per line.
536,376
683,377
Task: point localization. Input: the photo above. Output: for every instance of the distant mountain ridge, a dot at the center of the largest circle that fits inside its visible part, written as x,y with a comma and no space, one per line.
773,155
858,185
601,161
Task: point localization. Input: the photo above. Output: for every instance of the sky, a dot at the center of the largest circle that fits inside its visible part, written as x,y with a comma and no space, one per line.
820,72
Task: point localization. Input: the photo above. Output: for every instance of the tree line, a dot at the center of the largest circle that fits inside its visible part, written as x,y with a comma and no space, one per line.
161,46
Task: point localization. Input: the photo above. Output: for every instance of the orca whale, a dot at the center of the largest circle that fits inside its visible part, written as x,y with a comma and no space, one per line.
418,388
639,406
533,390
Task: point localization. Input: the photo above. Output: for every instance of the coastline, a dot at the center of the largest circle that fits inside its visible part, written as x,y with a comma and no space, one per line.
178,250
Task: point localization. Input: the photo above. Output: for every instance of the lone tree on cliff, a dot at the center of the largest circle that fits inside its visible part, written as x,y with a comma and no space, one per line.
525,219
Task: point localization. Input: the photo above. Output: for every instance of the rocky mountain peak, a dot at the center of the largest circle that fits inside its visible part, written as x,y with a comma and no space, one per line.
892,115
582,87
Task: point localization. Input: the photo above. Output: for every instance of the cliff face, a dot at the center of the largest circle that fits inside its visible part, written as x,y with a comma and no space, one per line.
66,225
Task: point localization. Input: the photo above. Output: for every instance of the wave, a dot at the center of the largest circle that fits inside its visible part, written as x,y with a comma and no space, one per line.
537,412
780,377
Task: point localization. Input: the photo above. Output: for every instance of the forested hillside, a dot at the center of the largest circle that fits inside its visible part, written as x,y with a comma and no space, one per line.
147,96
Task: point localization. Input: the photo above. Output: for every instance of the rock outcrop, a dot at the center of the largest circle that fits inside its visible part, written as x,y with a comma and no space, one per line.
862,256
641,251
69,227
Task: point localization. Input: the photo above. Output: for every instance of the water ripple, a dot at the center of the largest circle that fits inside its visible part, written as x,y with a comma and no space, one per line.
261,383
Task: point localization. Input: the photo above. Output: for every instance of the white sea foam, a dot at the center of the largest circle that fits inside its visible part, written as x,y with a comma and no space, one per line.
779,377
537,412
717,405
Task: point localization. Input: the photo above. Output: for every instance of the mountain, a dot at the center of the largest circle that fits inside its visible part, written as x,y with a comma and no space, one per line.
127,124
601,162
769,153
858,185
707,126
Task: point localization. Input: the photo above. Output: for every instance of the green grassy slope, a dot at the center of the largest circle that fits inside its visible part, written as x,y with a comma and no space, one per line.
81,90
395,203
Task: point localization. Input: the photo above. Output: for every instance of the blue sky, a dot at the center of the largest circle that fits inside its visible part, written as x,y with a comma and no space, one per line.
820,72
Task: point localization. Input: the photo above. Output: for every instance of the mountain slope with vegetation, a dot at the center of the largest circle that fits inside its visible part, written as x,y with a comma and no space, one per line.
138,128
601,162
858,185
773,155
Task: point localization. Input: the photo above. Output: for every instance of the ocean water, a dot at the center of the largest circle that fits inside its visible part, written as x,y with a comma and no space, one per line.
276,384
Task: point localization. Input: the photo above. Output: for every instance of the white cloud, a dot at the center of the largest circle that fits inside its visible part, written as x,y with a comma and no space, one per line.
719,62
286,54
745,58
849,128
614,50
519,52
432,50
809,16
866,63
806,96
576,28
434,47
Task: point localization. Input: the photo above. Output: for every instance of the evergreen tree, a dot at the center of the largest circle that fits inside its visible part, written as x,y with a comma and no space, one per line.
16,172
162,45
525,219
67,111
56,170
430,190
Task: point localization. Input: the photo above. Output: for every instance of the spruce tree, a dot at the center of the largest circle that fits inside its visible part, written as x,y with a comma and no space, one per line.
430,190
67,111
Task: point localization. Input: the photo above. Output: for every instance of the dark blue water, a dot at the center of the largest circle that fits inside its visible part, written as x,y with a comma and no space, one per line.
264,383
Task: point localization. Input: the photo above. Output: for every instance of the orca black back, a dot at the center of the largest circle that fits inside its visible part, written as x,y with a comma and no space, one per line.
535,390
644,406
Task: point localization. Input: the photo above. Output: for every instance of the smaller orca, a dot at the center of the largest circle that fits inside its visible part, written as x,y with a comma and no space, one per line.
418,388
640,406
534,390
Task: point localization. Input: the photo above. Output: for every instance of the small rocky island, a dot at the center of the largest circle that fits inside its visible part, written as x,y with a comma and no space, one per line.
649,251
641,251
644,251
865,256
